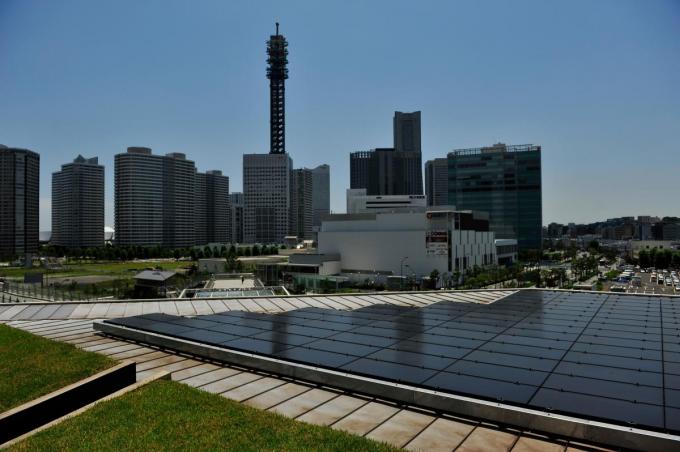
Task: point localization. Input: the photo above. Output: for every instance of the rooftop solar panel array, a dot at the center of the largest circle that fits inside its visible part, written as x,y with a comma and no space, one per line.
228,293
599,356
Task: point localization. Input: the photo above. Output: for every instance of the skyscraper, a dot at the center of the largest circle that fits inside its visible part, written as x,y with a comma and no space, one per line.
236,206
217,226
266,193
504,181
437,182
179,179
392,171
78,204
321,193
138,197
301,210
358,169
382,174
406,130
154,199
211,206
277,73
384,171
19,201
201,209
408,155
408,172
266,177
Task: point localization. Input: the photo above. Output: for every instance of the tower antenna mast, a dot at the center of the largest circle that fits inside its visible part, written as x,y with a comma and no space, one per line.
277,73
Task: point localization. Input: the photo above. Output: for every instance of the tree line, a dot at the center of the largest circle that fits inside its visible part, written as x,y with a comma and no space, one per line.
124,253
659,258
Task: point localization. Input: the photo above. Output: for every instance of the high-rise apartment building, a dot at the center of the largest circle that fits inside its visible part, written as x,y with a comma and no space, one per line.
301,211
200,209
236,204
155,199
78,204
437,182
138,197
392,171
321,193
19,201
266,193
504,181
179,179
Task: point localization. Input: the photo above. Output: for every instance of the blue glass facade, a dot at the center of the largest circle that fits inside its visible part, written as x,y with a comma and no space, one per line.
504,181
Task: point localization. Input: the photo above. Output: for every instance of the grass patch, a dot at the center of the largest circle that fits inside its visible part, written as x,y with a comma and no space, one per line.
612,274
166,415
32,366
101,268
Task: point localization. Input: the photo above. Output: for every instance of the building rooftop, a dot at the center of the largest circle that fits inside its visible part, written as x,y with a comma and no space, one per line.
574,364
154,275
498,147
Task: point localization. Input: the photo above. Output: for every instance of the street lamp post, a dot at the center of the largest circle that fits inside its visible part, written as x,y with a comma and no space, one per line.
401,272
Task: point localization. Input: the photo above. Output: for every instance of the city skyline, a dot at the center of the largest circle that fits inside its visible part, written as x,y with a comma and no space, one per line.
593,84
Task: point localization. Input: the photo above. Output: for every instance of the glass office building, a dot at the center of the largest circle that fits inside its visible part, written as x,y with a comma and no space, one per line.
504,181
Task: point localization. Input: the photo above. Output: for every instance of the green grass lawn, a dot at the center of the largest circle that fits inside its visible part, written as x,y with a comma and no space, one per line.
32,366
166,415
105,268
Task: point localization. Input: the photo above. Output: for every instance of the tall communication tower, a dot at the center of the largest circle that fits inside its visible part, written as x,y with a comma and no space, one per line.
277,73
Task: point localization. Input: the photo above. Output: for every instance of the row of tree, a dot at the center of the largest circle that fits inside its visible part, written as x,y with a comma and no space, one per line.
558,251
124,253
659,258
584,267
478,277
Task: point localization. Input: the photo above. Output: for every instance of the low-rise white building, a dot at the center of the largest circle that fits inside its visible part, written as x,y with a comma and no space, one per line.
359,202
506,251
635,246
409,243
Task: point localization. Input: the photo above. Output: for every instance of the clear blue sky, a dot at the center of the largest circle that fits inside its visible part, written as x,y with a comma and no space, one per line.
596,83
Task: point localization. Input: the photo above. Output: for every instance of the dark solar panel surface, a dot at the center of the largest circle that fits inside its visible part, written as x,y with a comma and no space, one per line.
599,356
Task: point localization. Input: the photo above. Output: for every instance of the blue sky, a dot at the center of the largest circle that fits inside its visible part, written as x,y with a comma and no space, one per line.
595,82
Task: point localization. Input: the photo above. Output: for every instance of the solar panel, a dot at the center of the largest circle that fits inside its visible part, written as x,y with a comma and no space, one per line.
597,356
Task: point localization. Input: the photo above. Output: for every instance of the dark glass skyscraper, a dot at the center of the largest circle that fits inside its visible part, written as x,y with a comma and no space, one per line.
301,210
358,169
437,182
392,171
504,181
406,130
277,73
321,193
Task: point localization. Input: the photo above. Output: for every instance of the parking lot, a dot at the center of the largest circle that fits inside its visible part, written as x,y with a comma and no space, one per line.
649,287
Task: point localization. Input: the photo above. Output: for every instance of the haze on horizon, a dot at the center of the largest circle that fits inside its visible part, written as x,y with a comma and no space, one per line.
594,83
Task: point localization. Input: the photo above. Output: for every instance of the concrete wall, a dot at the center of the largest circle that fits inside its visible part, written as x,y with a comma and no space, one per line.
382,251
379,242
330,268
